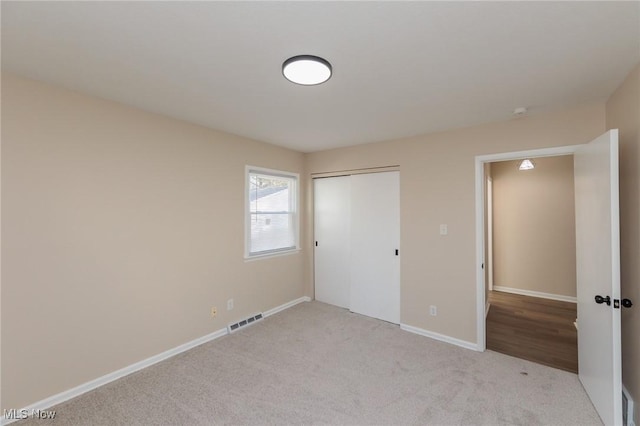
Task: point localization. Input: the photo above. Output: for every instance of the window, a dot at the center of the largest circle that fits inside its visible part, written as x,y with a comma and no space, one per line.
271,212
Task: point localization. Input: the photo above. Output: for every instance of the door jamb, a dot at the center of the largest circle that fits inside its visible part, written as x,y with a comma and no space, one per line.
480,160
488,262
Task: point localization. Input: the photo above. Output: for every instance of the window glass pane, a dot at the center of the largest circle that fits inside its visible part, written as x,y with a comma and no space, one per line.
272,232
269,195
272,213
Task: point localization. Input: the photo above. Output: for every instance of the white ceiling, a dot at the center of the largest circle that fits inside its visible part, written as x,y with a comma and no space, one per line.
400,68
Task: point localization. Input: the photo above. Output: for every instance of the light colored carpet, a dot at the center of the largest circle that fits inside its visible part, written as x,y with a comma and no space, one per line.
319,364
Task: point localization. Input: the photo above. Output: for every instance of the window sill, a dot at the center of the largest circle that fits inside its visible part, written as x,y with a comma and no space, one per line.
268,255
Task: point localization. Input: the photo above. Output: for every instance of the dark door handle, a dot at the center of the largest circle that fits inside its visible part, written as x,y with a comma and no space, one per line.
627,303
600,300
396,252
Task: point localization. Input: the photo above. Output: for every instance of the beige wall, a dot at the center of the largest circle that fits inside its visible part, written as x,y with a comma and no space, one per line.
437,186
120,230
623,113
534,238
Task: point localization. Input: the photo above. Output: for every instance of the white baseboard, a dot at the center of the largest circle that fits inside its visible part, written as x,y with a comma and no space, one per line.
101,381
286,306
108,378
440,337
536,294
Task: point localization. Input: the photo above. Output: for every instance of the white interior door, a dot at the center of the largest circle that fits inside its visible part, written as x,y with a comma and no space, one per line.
598,273
375,241
332,217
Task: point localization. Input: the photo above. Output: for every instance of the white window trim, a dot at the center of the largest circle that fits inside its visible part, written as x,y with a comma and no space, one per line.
247,216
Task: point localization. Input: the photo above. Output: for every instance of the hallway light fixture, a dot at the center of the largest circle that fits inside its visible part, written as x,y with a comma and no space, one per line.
307,70
526,164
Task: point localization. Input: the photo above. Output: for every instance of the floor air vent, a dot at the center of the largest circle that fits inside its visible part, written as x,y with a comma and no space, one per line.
245,322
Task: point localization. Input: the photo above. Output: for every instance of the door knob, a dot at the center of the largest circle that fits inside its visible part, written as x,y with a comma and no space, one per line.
627,303
600,300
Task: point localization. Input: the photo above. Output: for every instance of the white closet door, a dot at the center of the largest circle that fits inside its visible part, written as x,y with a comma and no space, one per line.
375,237
332,240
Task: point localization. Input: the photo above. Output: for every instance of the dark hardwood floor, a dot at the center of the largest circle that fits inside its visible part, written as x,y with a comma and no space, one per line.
535,329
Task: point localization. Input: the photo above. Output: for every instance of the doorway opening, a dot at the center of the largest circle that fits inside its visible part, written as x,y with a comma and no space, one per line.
531,260
485,272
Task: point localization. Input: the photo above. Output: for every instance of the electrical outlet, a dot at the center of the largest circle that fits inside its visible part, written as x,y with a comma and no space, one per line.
433,310
214,312
229,304
444,229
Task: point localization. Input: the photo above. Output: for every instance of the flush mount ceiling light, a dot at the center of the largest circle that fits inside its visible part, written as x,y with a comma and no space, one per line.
307,70
526,164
